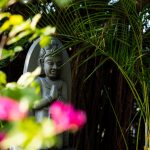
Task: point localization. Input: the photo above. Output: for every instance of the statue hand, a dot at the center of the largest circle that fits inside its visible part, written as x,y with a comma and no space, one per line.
43,103
54,92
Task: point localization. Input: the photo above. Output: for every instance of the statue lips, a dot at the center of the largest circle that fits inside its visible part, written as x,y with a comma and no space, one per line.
54,72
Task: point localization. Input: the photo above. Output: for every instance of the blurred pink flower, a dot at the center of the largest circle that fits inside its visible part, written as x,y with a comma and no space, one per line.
66,117
2,136
11,110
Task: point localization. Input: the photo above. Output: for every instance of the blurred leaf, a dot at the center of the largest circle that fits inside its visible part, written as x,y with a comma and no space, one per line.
35,35
36,85
35,21
3,15
6,3
2,78
31,135
5,26
10,53
63,3
25,89
7,53
18,28
3,3
18,49
27,95
48,30
18,37
27,78
15,19
44,40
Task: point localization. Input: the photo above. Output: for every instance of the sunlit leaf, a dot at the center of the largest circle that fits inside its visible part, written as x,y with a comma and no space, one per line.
63,3
18,49
15,19
44,40
33,135
7,53
18,37
48,30
24,89
5,26
10,53
43,32
2,78
3,15
3,3
34,36
10,2
27,95
18,28
20,133
35,21
27,78
36,86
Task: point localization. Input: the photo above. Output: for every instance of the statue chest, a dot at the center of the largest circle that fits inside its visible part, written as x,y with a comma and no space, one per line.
48,86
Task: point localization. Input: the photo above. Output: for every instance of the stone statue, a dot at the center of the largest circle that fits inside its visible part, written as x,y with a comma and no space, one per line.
55,79
52,86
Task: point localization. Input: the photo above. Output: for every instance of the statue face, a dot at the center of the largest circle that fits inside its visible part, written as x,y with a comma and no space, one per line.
52,66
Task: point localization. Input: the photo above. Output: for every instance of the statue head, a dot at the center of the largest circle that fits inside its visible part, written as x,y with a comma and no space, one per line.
50,61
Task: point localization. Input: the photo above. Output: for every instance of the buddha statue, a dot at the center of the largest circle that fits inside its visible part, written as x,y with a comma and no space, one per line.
52,86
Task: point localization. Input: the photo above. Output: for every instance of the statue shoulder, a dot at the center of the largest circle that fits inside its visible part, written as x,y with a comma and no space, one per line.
39,80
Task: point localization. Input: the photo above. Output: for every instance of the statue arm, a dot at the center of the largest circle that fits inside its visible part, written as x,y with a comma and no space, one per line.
45,101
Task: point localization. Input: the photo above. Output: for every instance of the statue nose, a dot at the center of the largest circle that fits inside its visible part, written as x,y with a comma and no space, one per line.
54,66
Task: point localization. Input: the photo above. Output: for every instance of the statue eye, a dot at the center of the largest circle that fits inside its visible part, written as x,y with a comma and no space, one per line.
50,63
59,64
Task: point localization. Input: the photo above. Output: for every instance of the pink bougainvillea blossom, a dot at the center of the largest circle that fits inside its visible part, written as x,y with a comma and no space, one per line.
2,136
66,117
11,110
